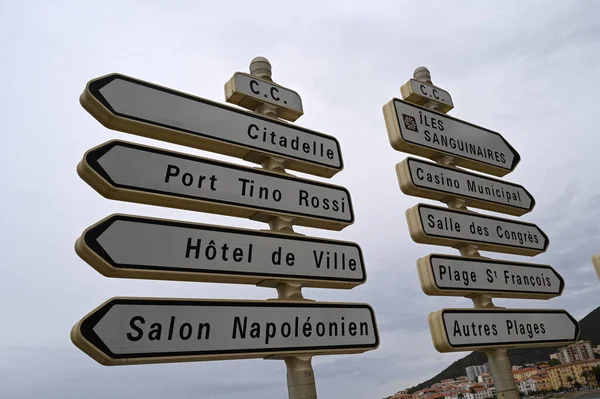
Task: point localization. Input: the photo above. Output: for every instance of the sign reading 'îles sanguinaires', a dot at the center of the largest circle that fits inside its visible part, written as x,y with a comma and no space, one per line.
419,131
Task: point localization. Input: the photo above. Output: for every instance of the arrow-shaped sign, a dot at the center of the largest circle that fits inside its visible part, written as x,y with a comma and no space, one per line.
450,227
437,182
137,247
134,106
151,330
476,329
419,131
448,275
130,172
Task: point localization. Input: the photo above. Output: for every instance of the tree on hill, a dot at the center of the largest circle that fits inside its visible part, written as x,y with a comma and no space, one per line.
553,362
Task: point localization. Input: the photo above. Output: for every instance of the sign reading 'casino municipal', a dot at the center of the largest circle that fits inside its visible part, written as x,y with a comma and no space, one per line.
419,131
134,106
433,181
130,172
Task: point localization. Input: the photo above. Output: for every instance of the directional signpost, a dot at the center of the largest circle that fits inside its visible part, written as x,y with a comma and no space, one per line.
438,182
131,105
420,93
416,130
477,329
131,172
136,247
458,275
250,92
441,226
155,330
417,125
127,331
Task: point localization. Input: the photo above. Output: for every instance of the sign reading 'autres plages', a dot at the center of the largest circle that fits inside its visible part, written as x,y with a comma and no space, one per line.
475,329
152,330
130,172
134,106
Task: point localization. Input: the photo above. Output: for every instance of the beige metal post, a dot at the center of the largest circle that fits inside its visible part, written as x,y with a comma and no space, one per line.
300,375
500,366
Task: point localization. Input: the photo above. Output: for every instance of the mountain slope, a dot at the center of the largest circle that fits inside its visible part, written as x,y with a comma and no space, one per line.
590,331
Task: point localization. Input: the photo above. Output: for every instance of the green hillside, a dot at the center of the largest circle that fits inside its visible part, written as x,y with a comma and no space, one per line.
590,331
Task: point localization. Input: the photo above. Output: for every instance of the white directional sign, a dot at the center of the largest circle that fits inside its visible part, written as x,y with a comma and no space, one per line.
418,131
450,227
133,106
596,262
151,330
249,92
419,93
130,172
448,275
476,329
433,181
137,247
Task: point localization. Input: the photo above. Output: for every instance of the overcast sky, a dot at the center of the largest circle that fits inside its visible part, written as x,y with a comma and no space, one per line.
528,70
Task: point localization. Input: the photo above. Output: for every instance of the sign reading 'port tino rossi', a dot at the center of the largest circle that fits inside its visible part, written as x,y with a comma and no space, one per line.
130,172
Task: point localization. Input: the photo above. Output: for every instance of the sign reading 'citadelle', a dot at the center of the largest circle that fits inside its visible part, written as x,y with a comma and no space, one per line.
152,330
130,172
138,247
134,106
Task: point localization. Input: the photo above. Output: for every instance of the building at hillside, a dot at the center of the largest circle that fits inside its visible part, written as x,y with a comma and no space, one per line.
566,375
527,386
474,371
525,373
542,382
575,352
485,378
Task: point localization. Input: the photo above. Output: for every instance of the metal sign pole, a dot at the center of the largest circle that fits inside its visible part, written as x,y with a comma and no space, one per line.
500,366
300,374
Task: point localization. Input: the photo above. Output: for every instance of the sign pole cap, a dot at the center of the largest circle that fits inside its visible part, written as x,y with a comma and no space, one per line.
261,68
422,74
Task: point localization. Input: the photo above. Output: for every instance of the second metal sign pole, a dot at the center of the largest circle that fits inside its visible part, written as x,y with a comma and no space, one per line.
500,366
300,375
